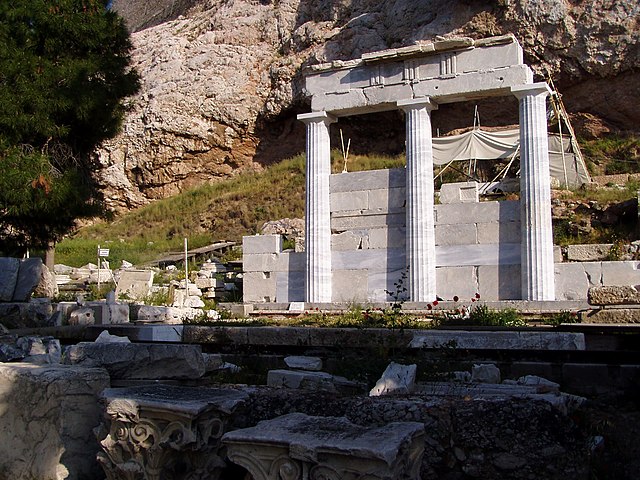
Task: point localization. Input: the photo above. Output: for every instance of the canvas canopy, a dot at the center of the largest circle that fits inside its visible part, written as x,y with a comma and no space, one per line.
478,144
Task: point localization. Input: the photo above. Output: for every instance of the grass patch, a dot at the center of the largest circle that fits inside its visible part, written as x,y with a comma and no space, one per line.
225,210
482,316
612,155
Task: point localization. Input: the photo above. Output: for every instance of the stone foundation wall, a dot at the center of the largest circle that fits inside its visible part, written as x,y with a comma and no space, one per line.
477,249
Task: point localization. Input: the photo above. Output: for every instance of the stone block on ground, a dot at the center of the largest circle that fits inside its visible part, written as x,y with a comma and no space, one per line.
459,192
396,378
134,284
34,313
106,337
116,313
613,295
48,416
47,287
183,300
160,314
139,360
485,373
520,340
540,382
306,380
327,447
238,310
29,277
611,315
588,253
82,316
297,362
212,362
40,350
257,244
97,313
8,277
203,283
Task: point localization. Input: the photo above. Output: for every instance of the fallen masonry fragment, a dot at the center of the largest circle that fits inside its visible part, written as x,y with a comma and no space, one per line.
165,431
48,414
139,361
298,446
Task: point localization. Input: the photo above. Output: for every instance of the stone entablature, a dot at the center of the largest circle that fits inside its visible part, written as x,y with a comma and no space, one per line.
445,71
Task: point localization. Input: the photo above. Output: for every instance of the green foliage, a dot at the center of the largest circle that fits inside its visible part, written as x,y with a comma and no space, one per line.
488,317
356,317
482,316
65,70
160,297
64,75
564,316
79,251
96,293
357,163
624,232
38,203
613,154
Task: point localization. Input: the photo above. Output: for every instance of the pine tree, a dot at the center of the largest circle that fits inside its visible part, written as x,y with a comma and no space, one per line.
64,79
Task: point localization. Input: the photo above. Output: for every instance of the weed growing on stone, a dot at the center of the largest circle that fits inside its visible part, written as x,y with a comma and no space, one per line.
95,293
480,315
564,316
489,317
159,297
393,316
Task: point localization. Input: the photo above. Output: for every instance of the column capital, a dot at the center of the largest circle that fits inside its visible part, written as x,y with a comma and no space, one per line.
531,89
317,117
421,102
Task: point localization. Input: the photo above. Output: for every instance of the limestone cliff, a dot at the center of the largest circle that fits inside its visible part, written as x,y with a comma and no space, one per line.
222,83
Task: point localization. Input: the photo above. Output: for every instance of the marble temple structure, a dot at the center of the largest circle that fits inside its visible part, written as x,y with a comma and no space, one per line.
367,230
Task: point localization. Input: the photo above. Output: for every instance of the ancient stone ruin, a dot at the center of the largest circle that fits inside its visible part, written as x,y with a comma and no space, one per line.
141,396
367,230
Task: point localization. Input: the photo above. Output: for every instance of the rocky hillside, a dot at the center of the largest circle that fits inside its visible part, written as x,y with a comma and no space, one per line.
222,82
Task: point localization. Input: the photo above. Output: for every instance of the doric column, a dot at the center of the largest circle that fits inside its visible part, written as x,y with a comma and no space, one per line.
421,243
535,194
317,218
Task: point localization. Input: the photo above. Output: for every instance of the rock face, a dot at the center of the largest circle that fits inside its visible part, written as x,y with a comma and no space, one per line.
221,85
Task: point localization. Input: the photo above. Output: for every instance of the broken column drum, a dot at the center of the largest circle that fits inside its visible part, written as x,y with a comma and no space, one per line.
159,431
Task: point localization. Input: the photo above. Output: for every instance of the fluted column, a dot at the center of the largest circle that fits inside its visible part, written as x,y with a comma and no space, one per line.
535,194
317,217
421,243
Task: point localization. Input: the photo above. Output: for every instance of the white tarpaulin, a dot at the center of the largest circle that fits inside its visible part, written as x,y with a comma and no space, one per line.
478,144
